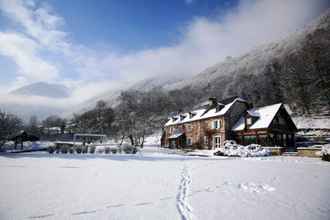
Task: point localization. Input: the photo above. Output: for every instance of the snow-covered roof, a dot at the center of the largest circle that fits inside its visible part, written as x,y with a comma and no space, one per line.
201,114
175,135
265,116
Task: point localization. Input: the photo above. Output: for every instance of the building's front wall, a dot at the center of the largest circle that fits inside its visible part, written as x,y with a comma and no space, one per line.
279,133
198,134
237,110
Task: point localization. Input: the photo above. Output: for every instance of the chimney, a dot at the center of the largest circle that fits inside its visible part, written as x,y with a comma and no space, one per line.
213,102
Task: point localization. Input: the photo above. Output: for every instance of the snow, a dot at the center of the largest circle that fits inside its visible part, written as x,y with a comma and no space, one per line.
253,150
326,149
202,114
265,115
312,122
157,185
153,139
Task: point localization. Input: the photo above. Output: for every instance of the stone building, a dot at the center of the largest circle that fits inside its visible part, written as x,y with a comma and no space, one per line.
232,119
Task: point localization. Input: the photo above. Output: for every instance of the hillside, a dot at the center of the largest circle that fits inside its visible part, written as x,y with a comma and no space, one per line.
43,89
294,70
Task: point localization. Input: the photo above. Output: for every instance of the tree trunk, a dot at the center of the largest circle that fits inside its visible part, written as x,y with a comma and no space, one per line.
122,140
142,142
132,139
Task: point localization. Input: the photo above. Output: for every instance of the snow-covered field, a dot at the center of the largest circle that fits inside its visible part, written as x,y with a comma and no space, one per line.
155,185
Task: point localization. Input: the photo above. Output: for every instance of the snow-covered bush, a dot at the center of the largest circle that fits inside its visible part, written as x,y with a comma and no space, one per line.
78,150
85,149
64,149
231,148
107,150
99,149
92,149
113,150
71,150
51,150
326,152
129,149
57,149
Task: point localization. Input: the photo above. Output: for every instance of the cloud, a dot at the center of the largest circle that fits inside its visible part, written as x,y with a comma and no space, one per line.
24,52
202,43
188,2
40,23
206,41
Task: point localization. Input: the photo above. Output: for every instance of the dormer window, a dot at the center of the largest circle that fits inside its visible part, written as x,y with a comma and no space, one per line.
182,117
191,114
219,107
249,121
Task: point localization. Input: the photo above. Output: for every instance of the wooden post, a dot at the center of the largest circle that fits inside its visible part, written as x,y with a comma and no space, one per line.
257,138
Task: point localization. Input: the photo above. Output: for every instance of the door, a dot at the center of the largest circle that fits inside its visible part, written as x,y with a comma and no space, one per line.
216,141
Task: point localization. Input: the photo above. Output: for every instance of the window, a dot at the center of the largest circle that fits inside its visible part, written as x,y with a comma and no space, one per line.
249,121
216,124
250,140
206,140
189,127
189,141
216,141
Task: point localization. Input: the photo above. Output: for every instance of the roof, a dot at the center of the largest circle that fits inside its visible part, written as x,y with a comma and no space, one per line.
200,114
176,135
23,136
264,115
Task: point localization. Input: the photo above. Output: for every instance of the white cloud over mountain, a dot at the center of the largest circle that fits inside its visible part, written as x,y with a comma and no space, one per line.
36,42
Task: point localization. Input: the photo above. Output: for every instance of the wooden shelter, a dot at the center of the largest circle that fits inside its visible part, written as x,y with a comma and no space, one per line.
22,137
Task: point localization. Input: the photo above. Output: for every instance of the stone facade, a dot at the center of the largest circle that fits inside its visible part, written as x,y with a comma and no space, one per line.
199,134
211,126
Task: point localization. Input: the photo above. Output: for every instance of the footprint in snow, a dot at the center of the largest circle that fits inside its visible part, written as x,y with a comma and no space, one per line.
166,198
41,216
115,206
84,212
143,203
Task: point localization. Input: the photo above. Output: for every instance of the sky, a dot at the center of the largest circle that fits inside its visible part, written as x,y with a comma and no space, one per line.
95,46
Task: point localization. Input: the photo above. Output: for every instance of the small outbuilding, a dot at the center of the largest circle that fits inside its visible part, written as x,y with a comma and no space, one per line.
268,126
22,137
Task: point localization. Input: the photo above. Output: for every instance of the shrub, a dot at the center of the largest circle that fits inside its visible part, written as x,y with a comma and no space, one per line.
57,149
326,157
107,150
71,150
64,149
219,153
92,149
128,149
51,150
100,150
78,150
84,149
113,150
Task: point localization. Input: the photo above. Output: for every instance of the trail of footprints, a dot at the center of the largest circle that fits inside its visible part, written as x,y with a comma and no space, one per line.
181,199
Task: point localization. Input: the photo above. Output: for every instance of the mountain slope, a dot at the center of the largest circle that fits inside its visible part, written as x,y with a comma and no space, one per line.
295,70
43,89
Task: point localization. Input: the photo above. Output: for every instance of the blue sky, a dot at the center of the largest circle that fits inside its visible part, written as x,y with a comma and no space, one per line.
134,25
96,46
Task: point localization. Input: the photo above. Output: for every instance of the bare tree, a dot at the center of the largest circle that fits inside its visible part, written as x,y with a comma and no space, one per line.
9,125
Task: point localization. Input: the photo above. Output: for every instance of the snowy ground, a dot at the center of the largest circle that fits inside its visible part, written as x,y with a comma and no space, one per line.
155,185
